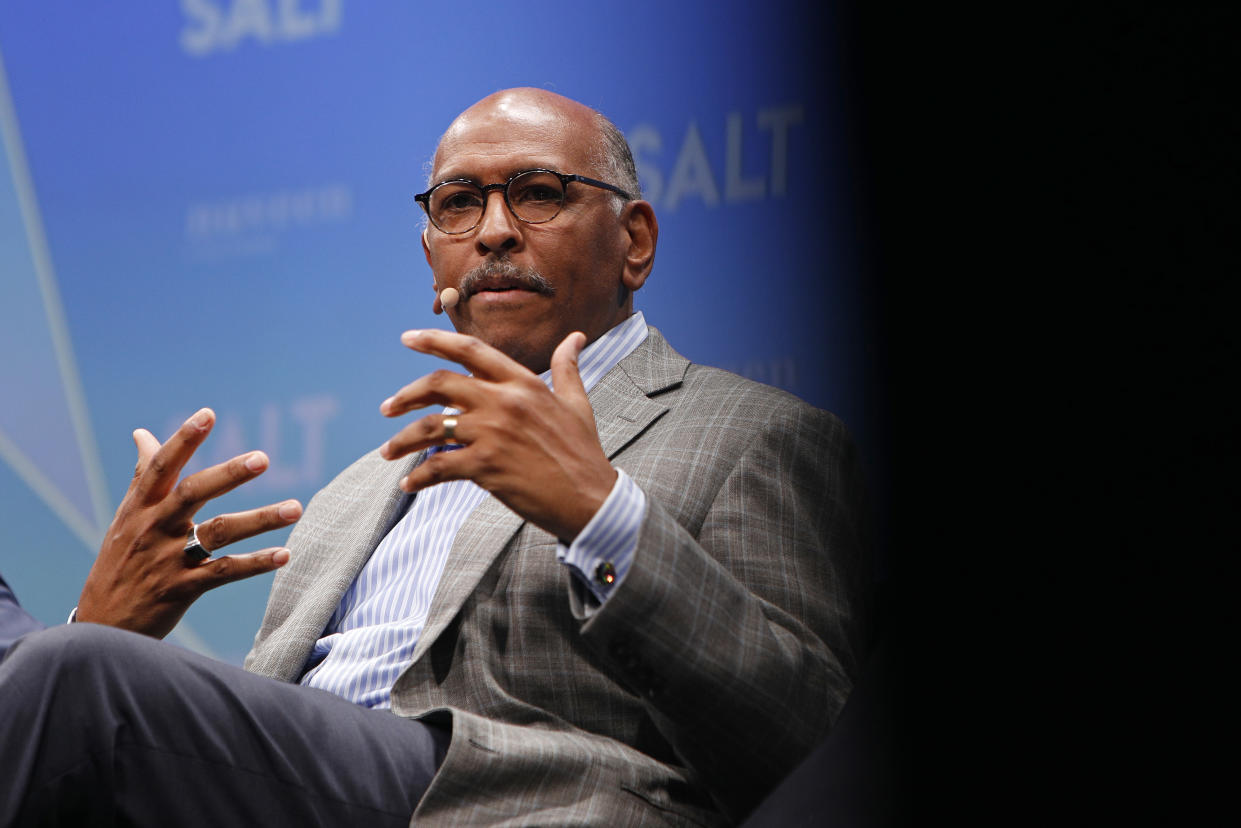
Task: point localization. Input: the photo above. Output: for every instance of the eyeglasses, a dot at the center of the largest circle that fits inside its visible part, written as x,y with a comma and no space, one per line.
534,196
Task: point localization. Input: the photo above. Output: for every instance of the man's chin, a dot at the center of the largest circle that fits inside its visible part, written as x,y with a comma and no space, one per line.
519,343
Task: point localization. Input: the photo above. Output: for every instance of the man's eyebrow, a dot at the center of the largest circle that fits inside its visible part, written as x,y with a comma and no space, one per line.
440,179
510,173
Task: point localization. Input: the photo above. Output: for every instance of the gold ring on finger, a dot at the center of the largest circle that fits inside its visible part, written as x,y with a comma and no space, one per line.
450,430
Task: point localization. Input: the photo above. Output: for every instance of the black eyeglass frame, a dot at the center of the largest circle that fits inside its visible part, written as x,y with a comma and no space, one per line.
424,199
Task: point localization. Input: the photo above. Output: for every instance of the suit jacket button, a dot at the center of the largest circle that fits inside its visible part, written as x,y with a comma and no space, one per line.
605,574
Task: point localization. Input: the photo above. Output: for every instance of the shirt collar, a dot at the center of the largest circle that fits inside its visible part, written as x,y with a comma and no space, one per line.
601,356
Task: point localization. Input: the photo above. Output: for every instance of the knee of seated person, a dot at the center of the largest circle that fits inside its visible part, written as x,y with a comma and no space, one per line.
75,649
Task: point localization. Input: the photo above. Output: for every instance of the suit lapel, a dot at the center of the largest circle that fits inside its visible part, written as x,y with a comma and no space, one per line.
621,399
480,539
387,503
361,506
623,410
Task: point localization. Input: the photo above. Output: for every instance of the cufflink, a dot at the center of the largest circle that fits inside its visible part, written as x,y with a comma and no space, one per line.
605,574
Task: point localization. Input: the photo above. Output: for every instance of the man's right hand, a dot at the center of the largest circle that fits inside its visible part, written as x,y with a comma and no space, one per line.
143,580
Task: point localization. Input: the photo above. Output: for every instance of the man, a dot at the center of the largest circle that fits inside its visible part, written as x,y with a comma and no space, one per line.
627,592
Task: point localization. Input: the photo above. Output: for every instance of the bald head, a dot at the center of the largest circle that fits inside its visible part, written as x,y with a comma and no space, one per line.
540,112
535,106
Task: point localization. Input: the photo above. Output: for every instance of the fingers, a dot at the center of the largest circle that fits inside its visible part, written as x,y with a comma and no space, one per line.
423,433
225,529
480,359
448,387
225,570
566,380
147,446
159,474
220,531
439,468
440,387
198,488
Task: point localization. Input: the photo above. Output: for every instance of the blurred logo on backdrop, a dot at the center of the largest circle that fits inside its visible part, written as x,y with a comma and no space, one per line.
251,224
755,165
221,25
293,435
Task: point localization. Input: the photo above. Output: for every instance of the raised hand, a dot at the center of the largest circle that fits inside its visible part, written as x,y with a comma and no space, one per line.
534,449
143,579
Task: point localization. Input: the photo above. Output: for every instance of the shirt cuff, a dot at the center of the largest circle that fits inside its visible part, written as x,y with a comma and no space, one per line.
602,552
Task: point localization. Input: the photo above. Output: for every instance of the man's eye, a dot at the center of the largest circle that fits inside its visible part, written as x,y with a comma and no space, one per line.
461,200
538,194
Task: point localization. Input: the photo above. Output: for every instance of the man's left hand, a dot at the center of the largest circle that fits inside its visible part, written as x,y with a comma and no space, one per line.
534,449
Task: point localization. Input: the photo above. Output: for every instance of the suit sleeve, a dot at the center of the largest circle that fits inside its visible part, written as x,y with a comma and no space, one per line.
743,633
14,621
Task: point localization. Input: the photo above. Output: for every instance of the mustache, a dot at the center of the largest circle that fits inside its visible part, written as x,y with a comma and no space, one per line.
527,278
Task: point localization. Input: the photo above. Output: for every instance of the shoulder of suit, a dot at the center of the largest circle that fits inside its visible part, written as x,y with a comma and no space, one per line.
352,476
714,386
707,383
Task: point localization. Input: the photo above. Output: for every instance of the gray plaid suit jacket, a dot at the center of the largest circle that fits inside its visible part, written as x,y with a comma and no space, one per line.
717,664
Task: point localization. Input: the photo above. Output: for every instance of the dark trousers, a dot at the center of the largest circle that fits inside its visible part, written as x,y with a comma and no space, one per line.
104,727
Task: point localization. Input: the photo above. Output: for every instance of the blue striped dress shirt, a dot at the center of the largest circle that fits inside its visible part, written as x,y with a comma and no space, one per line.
370,639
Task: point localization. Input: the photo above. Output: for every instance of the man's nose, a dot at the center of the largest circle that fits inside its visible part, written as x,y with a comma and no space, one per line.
498,230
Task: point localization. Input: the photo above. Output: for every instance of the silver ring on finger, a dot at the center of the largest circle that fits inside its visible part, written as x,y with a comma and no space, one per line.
450,431
194,550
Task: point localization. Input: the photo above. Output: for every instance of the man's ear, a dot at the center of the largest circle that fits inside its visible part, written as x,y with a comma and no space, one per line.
436,307
642,228
426,248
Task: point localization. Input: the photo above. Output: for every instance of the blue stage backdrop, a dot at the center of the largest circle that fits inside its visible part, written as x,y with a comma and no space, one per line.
210,203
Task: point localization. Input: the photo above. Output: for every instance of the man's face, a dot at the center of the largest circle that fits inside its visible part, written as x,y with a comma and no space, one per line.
580,253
